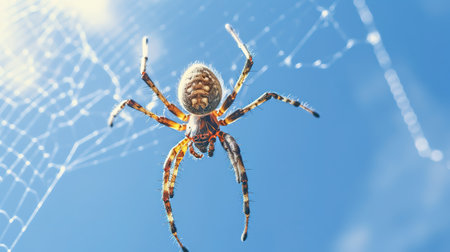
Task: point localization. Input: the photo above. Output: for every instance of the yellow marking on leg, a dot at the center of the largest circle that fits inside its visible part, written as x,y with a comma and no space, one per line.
179,158
165,194
172,108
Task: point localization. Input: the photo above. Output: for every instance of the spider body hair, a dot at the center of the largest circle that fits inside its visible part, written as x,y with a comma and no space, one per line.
199,89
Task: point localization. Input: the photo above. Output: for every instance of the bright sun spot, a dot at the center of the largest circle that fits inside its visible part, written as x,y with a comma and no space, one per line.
95,14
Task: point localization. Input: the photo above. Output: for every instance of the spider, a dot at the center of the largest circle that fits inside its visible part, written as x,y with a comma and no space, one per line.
199,93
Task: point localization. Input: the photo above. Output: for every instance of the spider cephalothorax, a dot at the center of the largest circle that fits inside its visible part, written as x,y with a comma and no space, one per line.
199,90
200,93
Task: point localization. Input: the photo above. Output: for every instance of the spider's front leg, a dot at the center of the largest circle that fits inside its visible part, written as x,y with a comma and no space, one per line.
166,194
247,67
172,108
234,154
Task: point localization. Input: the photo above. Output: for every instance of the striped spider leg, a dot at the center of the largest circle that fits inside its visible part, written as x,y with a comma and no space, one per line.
245,71
172,108
166,185
263,98
179,158
234,154
131,103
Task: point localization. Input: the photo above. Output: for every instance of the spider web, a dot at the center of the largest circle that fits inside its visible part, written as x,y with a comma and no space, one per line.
60,75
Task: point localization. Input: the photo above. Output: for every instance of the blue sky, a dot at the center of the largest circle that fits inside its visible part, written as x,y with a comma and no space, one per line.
352,180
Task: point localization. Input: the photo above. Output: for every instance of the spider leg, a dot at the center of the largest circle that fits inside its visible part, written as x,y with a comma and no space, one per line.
179,157
165,194
234,154
263,98
172,108
211,146
248,65
131,103
193,153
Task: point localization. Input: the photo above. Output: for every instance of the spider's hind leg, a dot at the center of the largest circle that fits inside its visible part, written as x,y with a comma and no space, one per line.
234,154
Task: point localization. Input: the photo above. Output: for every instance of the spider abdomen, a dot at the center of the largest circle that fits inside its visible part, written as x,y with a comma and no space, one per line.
199,90
200,129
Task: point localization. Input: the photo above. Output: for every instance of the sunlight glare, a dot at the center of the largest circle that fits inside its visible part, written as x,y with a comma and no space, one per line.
95,14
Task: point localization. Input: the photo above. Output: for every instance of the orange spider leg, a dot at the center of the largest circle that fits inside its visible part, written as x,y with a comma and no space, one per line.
165,194
179,158
193,153
172,108
131,103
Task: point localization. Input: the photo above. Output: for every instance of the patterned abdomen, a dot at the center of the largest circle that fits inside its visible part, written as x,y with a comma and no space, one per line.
199,90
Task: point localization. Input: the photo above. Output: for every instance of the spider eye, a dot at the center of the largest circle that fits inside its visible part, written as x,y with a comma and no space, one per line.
199,90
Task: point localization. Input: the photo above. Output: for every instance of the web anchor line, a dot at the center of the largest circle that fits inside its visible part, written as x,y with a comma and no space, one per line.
398,92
